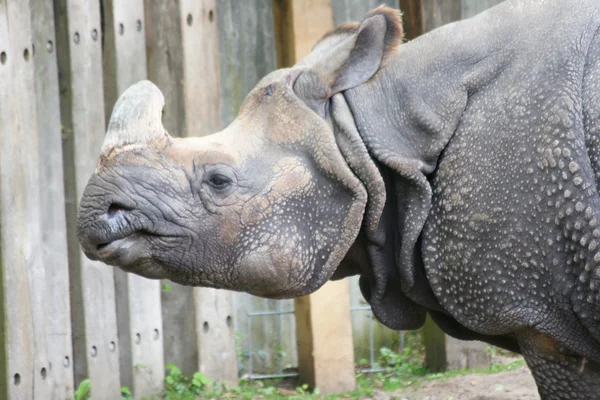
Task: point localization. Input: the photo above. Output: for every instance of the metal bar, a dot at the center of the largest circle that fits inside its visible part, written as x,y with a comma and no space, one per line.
273,376
371,349
279,340
251,376
249,323
360,308
263,313
370,370
401,341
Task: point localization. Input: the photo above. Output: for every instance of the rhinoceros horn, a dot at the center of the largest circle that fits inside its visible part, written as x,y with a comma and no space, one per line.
136,117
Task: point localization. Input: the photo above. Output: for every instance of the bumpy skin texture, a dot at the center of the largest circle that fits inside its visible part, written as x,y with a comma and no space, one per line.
456,174
511,241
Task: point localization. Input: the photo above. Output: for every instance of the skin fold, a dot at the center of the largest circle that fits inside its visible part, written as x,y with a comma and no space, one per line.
456,174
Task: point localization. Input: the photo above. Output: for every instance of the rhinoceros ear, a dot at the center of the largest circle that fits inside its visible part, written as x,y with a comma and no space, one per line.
350,55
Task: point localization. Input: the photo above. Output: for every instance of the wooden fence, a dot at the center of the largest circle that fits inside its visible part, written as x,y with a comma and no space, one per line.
63,63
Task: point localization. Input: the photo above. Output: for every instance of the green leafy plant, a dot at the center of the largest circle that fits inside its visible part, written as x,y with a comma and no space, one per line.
179,386
82,391
126,393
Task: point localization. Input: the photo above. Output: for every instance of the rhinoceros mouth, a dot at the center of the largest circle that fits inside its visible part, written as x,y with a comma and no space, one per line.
131,253
107,248
111,250
122,238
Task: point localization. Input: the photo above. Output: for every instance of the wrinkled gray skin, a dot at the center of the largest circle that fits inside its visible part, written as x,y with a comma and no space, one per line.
456,173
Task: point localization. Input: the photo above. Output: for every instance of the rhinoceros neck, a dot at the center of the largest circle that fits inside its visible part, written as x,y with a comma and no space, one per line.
413,106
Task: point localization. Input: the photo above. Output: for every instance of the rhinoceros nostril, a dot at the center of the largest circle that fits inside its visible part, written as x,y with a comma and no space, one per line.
116,208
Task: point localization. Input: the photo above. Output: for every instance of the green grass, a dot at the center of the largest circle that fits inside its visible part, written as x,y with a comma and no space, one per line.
399,371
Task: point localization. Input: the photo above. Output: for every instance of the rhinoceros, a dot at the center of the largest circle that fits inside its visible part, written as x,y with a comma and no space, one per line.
457,174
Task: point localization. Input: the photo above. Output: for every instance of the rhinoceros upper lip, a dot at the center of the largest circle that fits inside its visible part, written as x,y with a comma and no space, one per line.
123,237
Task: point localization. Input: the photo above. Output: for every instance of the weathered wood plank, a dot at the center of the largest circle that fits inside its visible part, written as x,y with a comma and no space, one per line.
471,354
296,29
201,78
216,337
435,346
324,331
55,281
138,299
246,50
187,71
440,12
247,53
284,33
179,327
355,10
19,204
202,87
164,55
94,329
474,7
412,18
421,16
323,323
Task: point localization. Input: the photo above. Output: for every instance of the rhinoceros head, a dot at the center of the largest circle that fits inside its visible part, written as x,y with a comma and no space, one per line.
270,205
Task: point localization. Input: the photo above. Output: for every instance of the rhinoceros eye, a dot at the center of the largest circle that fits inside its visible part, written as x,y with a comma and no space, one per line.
219,182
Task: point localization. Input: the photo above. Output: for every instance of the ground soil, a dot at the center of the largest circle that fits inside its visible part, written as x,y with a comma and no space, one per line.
517,384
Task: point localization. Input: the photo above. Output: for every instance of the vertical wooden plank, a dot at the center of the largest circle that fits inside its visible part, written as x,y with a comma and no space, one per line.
435,346
412,18
139,315
323,323
421,16
247,53
216,338
201,78
164,55
355,10
474,7
183,61
18,207
246,50
461,354
284,32
324,331
93,313
201,86
59,371
308,29
440,12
